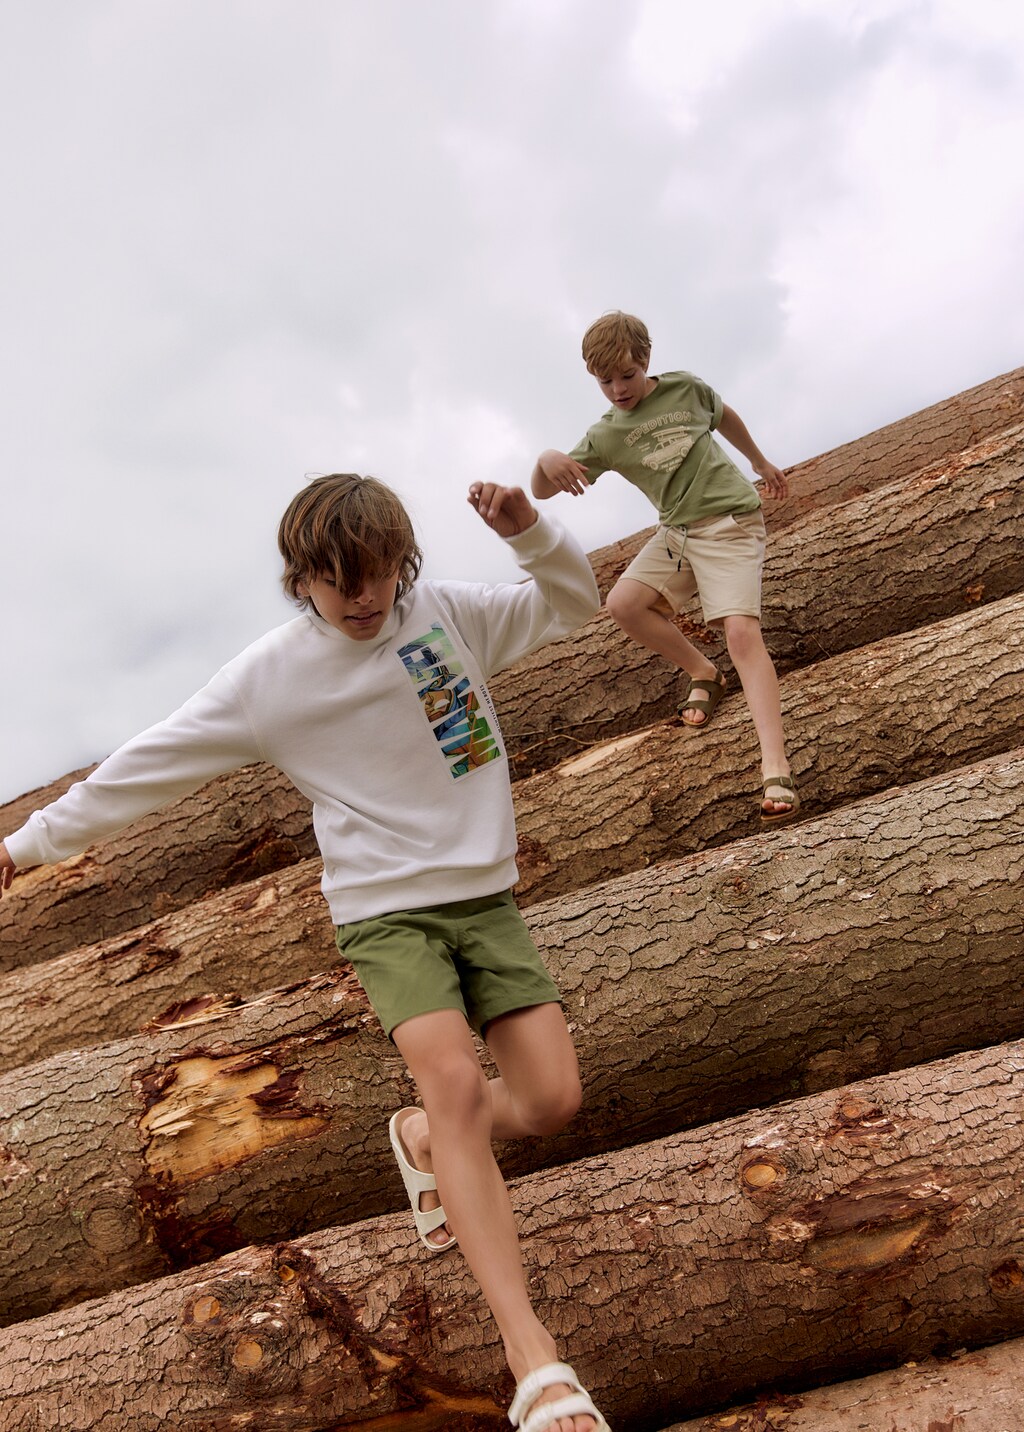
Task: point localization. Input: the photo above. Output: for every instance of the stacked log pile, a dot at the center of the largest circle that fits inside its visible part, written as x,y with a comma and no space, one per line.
800,1163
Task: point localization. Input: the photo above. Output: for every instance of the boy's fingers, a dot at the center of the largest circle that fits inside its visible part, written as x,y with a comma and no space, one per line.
483,495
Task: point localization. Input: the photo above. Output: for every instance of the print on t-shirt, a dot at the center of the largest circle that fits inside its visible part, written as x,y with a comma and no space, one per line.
674,434
449,702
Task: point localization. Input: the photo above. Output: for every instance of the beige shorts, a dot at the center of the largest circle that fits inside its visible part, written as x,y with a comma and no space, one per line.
718,558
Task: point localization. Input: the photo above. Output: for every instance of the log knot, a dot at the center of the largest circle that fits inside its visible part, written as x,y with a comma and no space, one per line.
249,1345
1007,1279
112,1227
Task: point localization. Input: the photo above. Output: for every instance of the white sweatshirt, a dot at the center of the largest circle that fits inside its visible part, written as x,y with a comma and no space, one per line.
394,740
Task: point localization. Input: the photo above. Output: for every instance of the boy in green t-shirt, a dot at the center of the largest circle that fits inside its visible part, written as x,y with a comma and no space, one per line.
711,538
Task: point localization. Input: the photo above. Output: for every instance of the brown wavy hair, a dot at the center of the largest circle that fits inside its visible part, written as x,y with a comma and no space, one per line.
352,528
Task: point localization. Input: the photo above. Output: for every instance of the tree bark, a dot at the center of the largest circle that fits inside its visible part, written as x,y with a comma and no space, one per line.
928,872
197,962
893,550
900,449
915,552
979,1391
238,827
781,966
16,812
888,714
827,1237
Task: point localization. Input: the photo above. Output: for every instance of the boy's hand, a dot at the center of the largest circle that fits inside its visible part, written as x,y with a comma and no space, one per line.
507,510
558,472
773,478
7,868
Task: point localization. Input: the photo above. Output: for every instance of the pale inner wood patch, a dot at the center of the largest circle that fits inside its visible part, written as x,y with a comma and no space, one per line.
209,1120
597,755
863,1248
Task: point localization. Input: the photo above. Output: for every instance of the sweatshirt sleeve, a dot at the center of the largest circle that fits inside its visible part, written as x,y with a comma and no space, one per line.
509,621
206,737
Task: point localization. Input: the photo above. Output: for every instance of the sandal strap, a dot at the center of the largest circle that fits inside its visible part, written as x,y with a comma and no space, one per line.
784,781
427,1222
579,1404
534,1383
715,687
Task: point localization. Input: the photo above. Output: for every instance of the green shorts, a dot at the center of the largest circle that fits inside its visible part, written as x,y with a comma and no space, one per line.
472,955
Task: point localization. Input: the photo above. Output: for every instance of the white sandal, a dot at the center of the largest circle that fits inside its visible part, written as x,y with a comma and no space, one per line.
577,1404
417,1182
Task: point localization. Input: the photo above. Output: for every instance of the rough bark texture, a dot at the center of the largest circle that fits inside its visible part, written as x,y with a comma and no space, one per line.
896,451
206,957
778,967
887,714
16,812
175,1146
873,1224
841,579
236,828
915,552
822,1239
979,1391
918,885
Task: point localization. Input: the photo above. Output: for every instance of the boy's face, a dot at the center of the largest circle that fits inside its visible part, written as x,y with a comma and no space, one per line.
626,386
360,616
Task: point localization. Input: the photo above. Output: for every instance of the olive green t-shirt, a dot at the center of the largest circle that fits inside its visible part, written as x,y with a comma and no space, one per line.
664,446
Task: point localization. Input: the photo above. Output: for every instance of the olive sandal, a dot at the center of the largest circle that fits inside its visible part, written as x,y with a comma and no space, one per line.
715,687
776,817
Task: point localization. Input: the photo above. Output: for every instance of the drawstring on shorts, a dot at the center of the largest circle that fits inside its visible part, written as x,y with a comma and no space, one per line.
682,545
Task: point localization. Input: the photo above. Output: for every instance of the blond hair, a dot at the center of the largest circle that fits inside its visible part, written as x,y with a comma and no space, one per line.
353,529
614,341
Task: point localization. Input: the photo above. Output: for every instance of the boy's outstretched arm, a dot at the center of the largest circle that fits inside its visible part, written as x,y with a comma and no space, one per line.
7,868
734,430
556,471
507,620
506,510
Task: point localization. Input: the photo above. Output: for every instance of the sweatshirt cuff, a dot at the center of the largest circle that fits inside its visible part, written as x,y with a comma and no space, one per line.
23,848
536,541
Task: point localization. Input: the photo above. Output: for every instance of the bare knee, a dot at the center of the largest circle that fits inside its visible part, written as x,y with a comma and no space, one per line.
548,1110
454,1088
630,601
743,638
620,604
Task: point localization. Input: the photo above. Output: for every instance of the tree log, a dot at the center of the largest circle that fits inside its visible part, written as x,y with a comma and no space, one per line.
980,1391
932,866
915,552
15,813
198,961
829,1236
898,450
888,714
238,827
778,967
858,732
584,689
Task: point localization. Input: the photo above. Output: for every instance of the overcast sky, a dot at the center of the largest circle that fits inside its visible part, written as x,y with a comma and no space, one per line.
248,241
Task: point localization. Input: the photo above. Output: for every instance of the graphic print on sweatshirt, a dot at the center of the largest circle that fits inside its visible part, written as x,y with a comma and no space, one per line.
448,701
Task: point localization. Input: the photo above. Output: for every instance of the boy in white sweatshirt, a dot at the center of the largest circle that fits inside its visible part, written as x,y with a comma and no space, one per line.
373,701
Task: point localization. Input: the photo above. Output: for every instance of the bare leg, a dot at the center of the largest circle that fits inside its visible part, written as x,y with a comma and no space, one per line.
539,1089
756,671
642,613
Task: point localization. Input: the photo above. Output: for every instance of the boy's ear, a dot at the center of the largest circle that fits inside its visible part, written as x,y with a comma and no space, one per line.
301,590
